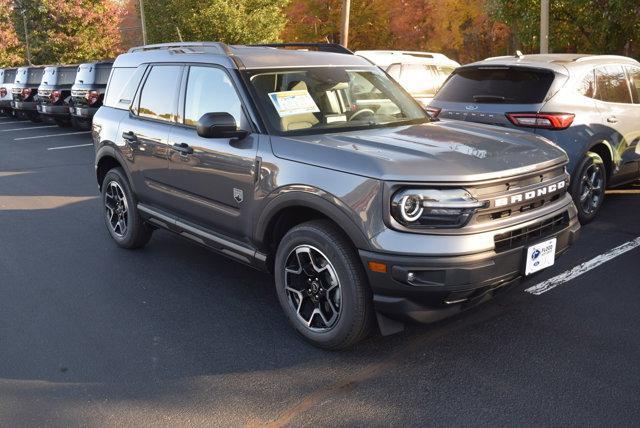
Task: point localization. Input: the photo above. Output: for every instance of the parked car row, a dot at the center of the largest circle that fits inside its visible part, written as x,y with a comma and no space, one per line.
63,94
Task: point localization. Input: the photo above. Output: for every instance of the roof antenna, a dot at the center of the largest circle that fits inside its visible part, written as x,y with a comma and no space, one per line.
519,54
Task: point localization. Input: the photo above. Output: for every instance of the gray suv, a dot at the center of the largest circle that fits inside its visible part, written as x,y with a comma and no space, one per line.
587,104
317,167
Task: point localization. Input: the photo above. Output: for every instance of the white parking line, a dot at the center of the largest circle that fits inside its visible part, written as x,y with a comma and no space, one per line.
69,147
51,135
12,122
27,128
582,268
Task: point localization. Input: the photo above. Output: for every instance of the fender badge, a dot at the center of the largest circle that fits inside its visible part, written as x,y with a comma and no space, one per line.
238,195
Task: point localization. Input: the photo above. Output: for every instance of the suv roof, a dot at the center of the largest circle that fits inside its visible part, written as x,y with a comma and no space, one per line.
557,62
242,56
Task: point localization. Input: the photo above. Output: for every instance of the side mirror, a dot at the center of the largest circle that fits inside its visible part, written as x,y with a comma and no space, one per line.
219,125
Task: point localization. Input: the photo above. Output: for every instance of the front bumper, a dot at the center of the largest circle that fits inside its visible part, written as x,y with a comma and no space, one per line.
49,110
24,105
83,112
445,285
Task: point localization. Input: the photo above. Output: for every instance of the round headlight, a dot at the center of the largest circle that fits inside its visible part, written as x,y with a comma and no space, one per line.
410,207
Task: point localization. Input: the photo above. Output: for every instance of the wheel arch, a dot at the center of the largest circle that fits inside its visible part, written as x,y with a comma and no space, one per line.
108,158
295,207
604,150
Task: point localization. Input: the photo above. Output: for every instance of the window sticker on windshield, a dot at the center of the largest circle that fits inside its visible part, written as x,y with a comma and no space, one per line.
288,103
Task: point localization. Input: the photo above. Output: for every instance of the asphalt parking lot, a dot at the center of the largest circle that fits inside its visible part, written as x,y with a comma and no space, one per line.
91,334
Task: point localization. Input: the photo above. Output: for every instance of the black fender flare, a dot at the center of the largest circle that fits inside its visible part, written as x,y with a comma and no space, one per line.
108,150
313,198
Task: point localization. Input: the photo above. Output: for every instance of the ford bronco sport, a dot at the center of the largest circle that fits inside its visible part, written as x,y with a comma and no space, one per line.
319,168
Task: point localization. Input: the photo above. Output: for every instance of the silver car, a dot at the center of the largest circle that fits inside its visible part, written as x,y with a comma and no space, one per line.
587,104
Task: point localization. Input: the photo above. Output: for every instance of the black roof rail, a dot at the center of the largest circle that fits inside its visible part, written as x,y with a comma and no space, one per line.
322,47
212,47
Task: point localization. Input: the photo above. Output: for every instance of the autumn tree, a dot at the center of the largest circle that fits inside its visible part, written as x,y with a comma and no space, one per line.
11,52
71,31
319,21
235,22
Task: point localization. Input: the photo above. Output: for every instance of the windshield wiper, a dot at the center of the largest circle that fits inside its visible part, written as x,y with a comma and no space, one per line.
489,98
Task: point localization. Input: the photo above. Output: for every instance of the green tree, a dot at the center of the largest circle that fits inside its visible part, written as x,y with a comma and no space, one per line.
229,21
592,26
71,31
11,52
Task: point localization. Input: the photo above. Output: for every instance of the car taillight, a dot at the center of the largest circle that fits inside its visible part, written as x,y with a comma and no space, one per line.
54,97
433,112
26,92
92,97
542,120
3,92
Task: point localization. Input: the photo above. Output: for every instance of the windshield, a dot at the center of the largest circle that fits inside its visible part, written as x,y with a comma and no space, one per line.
329,99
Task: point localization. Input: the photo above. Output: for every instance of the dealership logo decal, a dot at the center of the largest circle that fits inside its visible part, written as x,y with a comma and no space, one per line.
527,196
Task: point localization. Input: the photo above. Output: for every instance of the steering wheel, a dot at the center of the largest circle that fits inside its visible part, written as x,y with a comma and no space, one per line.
360,112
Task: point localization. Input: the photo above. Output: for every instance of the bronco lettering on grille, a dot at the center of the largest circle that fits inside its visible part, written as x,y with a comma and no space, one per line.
527,196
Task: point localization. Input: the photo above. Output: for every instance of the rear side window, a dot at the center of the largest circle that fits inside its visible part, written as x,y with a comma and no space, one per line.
122,87
9,76
102,75
634,80
35,76
159,93
67,75
507,85
209,90
612,85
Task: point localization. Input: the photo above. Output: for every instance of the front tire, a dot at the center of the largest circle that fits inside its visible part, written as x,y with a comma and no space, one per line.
322,286
123,221
588,187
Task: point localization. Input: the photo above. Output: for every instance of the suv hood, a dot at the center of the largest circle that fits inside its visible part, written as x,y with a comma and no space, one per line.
444,151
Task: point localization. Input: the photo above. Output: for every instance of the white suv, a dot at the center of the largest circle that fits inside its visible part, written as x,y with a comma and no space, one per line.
420,73
7,77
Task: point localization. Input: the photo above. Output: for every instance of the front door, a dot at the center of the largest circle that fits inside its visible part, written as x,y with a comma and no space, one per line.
213,178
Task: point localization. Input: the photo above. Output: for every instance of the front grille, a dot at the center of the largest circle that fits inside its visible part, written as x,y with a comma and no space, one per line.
520,237
519,186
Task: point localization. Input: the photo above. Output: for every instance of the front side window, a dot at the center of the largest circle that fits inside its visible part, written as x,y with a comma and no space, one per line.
611,85
634,80
331,99
210,90
159,93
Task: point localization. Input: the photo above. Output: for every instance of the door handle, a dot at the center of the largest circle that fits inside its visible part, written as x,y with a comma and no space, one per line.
612,119
183,148
130,137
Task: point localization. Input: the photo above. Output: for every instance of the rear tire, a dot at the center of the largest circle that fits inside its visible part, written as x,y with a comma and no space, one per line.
81,124
588,186
123,221
318,269
34,117
63,123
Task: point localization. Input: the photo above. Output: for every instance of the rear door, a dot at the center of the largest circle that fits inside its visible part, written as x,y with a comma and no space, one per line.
485,94
620,118
145,131
212,178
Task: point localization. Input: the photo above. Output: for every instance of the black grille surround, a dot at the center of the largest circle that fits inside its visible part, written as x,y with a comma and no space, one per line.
538,231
